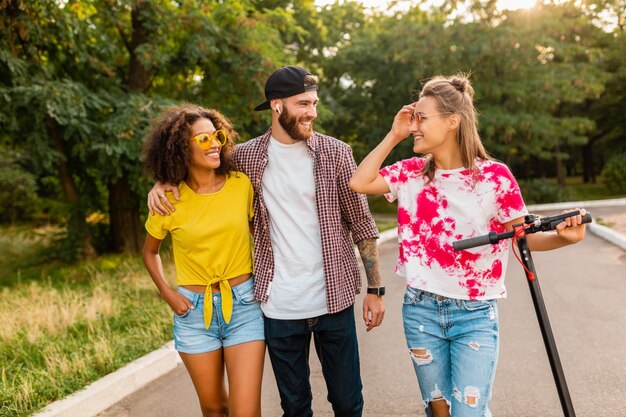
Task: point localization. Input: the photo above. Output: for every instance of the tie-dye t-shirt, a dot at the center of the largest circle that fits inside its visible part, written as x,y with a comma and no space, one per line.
457,204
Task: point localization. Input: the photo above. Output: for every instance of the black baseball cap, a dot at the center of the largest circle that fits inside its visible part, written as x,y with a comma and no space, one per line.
285,82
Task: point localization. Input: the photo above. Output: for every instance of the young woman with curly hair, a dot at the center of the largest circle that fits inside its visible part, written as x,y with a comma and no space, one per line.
217,322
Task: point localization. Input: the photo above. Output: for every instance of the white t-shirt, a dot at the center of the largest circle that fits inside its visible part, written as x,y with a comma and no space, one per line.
298,290
455,205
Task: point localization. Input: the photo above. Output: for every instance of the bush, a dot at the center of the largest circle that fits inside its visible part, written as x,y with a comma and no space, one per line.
18,191
614,174
379,205
543,191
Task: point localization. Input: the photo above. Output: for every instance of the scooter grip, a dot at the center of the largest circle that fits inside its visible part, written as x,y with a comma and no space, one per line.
586,219
472,242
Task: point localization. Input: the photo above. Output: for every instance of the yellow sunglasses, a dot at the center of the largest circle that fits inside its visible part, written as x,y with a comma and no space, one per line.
205,140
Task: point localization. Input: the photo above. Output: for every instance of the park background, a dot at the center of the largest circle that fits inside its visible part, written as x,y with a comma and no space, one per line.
80,82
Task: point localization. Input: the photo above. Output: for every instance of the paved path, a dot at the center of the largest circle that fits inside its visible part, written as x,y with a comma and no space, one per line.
584,287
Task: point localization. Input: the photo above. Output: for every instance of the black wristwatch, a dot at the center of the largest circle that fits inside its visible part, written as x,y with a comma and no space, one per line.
378,290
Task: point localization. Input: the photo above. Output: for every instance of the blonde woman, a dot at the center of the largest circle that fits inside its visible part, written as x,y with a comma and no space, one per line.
455,191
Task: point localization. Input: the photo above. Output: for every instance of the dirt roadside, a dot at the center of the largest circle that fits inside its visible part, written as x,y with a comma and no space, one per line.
616,222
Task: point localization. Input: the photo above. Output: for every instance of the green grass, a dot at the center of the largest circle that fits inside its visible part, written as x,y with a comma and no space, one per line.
604,222
28,254
547,191
580,191
64,326
379,205
385,224
385,213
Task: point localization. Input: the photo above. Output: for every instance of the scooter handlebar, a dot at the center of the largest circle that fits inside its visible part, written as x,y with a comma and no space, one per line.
472,242
586,219
494,237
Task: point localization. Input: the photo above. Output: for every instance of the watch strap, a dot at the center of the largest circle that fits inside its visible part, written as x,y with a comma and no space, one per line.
378,290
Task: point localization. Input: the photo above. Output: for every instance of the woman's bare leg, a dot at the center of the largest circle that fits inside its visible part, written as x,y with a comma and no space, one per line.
244,364
207,374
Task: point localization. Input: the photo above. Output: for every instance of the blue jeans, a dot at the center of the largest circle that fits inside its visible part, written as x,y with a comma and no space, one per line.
453,345
334,336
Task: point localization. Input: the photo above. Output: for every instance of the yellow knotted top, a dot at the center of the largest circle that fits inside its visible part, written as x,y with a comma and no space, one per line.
210,238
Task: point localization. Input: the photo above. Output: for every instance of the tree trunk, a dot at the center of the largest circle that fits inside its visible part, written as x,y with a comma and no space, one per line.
589,174
123,201
124,215
138,75
560,169
77,225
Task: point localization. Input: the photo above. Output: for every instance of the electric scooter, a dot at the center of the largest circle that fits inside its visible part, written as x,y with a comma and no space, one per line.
534,224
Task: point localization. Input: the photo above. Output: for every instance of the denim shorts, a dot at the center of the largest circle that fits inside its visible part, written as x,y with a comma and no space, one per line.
453,345
246,323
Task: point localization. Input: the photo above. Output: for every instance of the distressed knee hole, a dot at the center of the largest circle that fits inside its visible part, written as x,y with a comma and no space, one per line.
474,345
472,394
437,406
421,356
436,393
457,394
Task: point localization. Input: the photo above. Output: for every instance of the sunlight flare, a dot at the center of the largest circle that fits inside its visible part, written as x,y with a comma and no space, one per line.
515,4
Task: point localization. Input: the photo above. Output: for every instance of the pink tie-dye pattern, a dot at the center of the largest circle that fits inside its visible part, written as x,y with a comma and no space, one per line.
430,230
435,232
507,197
402,172
413,166
496,226
402,178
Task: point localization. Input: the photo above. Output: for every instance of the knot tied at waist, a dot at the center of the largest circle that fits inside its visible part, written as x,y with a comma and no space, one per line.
223,286
227,300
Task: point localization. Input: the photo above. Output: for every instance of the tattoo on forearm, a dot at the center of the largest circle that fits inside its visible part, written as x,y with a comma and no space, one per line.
369,256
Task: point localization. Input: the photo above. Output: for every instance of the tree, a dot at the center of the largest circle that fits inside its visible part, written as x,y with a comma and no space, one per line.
609,108
43,109
561,69
528,68
93,73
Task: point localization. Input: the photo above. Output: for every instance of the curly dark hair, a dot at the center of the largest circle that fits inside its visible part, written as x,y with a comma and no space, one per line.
166,150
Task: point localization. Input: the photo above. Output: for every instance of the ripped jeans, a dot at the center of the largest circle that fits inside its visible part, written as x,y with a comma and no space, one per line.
453,345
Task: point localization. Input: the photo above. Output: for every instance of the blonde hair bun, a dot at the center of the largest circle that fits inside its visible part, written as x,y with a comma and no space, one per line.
462,84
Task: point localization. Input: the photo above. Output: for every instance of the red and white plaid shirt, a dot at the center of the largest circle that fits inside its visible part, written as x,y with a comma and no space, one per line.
341,211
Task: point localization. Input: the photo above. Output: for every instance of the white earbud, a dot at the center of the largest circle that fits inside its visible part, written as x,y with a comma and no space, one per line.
278,109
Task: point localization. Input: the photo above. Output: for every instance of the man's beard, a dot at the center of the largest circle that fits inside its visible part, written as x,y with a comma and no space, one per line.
292,127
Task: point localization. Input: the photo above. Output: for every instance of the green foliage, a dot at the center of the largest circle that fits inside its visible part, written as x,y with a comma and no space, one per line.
386,224
18,190
614,174
526,68
543,191
27,253
81,82
378,204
